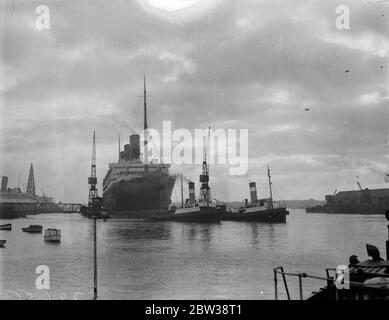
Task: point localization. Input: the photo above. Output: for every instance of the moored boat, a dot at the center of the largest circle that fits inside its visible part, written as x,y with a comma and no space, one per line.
8,211
33,228
136,188
52,235
7,226
16,204
2,242
192,214
205,211
256,214
259,210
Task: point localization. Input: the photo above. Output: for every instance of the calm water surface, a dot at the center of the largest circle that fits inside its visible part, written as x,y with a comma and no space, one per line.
169,260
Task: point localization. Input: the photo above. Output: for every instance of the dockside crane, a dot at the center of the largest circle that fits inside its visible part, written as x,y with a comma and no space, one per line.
94,210
205,192
95,203
92,180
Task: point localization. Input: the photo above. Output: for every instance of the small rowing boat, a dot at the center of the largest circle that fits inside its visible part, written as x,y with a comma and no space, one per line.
7,226
33,228
52,235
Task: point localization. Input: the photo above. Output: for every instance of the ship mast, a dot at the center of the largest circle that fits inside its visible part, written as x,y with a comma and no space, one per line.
271,193
182,191
146,160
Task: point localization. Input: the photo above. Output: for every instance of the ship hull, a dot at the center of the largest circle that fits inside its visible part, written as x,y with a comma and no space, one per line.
277,215
11,212
201,215
140,197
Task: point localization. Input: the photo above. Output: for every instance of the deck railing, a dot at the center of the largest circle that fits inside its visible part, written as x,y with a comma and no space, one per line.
330,282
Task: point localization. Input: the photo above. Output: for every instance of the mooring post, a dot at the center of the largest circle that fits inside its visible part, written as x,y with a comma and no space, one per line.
275,285
387,241
94,259
387,246
301,286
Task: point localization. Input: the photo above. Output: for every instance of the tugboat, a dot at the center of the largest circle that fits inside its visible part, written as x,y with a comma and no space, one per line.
367,280
204,211
259,210
33,228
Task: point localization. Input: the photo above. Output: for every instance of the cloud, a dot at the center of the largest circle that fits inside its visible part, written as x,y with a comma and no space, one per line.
370,98
276,68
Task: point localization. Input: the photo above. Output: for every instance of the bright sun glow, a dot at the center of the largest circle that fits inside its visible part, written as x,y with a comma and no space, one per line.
179,10
173,5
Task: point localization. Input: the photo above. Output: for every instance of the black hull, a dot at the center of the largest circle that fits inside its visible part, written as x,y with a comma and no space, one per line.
9,212
203,215
140,197
270,216
31,231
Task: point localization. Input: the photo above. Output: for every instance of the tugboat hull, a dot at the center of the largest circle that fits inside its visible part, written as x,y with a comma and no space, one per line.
271,216
201,215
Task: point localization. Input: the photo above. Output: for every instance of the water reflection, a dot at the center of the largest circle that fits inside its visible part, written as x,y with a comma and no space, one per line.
137,230
254,232
202,232
171,260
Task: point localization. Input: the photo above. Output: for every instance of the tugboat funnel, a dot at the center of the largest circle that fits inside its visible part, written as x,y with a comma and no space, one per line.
253,192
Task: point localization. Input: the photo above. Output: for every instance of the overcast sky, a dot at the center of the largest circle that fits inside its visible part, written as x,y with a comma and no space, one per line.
314,98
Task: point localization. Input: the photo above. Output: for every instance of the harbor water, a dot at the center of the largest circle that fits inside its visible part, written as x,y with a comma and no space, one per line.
169,260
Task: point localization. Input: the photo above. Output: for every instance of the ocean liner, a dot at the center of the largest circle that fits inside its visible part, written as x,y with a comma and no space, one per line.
14,203
133,188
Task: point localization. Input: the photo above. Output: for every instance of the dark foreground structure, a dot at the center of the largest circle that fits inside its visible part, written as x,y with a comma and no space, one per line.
367,280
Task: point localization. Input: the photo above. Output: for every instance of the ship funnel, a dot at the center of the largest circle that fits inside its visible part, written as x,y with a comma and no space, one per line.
127,152
253,192
4,183
135,146
191,192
